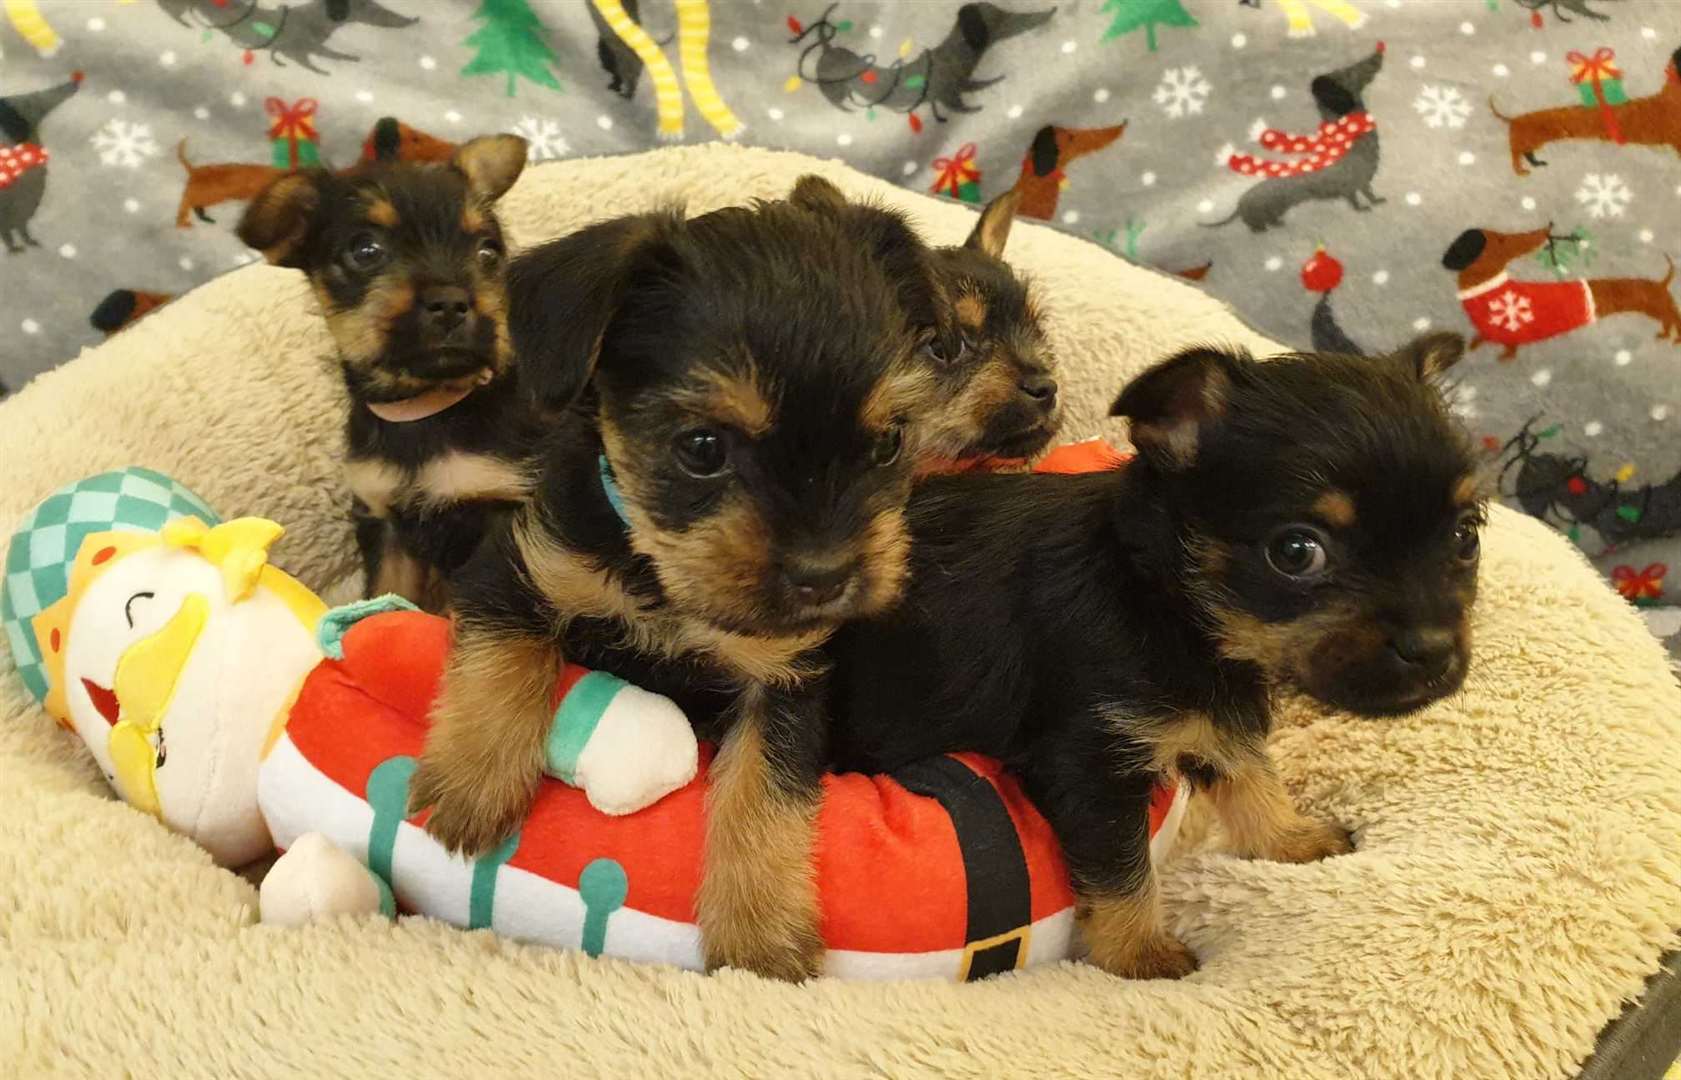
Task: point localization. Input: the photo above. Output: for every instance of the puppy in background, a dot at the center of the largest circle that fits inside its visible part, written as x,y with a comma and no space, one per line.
994,398
408,264
1309,521
732,406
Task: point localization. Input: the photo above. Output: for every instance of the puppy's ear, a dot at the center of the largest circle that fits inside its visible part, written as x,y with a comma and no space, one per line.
1172,405
1432,354
812,192
563,295
992,231
283,216
1466,249
492,164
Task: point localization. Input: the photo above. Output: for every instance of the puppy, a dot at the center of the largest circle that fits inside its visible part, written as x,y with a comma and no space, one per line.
1310,521
994,396
733,402
407,262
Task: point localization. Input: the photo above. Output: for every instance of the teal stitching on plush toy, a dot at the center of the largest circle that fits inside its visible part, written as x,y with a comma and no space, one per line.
481,899
329,635
603,887
388,797
575,722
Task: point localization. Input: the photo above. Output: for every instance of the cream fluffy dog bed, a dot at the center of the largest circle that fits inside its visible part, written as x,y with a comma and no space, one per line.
1517,879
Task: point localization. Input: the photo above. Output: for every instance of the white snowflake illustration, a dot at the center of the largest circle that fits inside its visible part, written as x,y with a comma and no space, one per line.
1510,310
1442,106
1257,129
122,143
1604,196
542,137
1462,402
1182,90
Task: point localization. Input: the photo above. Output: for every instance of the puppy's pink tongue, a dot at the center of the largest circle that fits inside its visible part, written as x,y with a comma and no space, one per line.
431,403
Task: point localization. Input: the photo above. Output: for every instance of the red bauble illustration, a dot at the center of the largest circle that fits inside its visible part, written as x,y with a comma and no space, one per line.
1322,273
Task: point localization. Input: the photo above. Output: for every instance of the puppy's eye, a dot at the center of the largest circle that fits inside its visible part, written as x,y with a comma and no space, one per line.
946,353
702,453
1467,540
886,449
364,252
1297,552
490,254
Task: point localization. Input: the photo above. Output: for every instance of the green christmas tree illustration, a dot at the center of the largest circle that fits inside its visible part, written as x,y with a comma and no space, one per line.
1131,14
512,41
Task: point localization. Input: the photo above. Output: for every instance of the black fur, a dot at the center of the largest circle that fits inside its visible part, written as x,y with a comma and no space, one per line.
1052,621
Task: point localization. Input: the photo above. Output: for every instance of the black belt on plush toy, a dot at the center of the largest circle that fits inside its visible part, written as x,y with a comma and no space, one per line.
1000,897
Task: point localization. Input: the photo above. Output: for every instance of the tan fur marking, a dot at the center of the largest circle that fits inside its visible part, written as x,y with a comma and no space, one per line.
906,394
377,483
415,581
1262,822
971,310
736,399
958,424
1125,936
381,212
458,476
1285,648
1336,508
473,220
757,905
1467,491
361,331
1174,737
484,752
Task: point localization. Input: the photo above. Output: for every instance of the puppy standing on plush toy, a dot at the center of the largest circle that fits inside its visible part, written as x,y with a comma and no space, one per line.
736,400
1309,521
407,262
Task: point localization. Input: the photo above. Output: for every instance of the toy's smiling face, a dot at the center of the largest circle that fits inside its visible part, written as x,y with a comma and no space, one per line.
172,657
132,602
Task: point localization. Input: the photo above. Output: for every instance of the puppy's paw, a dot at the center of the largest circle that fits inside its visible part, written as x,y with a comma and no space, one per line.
793,955
468,819
1162,957
1313,840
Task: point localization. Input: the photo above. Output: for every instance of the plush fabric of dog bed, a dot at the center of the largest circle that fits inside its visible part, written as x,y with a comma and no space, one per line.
1518,874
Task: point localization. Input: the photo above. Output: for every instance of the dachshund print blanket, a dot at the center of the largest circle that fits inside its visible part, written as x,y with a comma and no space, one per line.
1345,173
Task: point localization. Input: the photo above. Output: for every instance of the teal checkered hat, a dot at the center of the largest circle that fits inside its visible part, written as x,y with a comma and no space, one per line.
44,547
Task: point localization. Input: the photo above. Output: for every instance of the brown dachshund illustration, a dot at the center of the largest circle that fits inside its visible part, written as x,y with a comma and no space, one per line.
1042,171
1647,121
1516,313
207,185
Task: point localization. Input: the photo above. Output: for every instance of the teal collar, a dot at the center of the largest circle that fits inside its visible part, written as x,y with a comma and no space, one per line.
610,488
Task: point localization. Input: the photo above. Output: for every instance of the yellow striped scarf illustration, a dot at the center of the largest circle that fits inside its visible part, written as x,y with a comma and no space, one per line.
694,28
32,26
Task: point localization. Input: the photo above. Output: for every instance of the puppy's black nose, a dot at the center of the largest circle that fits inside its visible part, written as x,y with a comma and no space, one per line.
1040,387
444,307
817,583
1430,651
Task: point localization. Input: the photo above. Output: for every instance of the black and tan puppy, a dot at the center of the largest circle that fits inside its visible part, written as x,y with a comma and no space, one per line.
1309,521
995,390
994,363
724,482
407,263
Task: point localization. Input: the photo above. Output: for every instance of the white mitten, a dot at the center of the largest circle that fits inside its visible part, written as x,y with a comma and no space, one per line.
625,747
316,880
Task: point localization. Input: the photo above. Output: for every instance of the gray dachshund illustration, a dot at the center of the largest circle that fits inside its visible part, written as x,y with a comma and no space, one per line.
937,77
23,160
297,32
1336,162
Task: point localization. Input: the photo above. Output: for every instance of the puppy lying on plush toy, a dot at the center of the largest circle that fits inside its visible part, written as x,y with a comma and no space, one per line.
220,695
